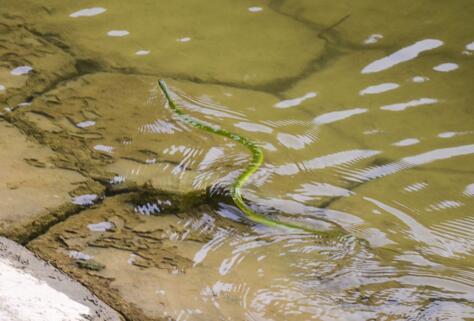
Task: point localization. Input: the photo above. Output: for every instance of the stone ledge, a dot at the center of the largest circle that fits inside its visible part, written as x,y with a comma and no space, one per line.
31,289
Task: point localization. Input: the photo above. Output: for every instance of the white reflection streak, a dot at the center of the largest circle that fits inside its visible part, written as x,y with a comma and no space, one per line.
21,70
322,189
252,127
295,101
89,12
377,89
412,103
206,107
418,231
373,38
409,162
406,142
160,127
325,161
337,115
210,158
293,141
469,190
118,33
402,55
212,245
415,187
446,67
339,158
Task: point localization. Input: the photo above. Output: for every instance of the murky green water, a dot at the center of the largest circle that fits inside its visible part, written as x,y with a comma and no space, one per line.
365,113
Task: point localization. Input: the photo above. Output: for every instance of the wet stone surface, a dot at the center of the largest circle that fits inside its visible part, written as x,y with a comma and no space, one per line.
181,50
103,128
29,64
34,193
124,255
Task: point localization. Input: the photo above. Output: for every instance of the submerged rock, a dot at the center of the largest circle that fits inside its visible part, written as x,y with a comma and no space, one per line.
34,193
30,62
113,262
255,53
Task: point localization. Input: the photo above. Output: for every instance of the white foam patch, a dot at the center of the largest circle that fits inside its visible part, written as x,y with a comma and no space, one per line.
295,101
142,52
2,88
184,39
419,79
21,70
410,104
373,38
446,67
26,298
88,12
118,33
337,115
470,46
402,55
252,127
255,9
377,89
84,124
407,142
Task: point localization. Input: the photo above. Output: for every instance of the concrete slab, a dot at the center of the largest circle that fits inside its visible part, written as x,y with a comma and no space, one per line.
226,56
130,258
30,62
33,192
33,290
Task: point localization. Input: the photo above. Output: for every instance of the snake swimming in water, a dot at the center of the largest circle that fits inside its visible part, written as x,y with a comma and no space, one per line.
254,165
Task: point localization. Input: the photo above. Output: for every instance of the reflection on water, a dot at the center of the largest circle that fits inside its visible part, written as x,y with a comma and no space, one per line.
402,55
366,123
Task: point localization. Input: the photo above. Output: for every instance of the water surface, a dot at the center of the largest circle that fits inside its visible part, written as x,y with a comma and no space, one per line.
364,112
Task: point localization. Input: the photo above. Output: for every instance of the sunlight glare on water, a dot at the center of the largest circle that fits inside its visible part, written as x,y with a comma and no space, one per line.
365,117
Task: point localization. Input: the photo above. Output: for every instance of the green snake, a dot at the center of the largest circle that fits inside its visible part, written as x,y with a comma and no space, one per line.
254,165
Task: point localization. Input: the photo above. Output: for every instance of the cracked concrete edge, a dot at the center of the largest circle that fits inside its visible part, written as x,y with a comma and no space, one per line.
46,280
26,230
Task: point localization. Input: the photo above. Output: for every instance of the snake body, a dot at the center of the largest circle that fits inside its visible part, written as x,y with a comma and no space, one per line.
254,165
